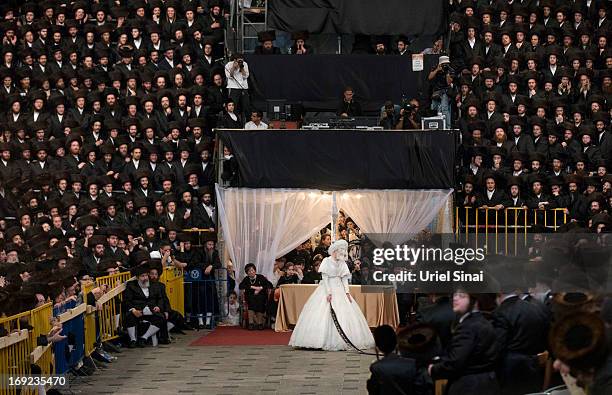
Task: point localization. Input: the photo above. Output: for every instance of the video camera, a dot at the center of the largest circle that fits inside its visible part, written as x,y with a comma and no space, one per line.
406,106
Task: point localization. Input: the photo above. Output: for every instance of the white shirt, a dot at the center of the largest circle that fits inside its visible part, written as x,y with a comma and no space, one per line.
251,125
236,79
490,193
210,212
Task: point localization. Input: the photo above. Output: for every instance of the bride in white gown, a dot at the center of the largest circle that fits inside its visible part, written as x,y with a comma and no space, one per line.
315,327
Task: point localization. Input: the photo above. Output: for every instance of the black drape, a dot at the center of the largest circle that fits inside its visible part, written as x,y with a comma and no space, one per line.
318,80
343,159
410,17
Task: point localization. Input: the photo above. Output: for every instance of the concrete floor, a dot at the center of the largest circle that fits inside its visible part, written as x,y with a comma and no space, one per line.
180,368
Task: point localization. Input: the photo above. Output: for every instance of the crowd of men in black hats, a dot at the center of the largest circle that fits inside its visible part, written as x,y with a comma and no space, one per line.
106,141
530,85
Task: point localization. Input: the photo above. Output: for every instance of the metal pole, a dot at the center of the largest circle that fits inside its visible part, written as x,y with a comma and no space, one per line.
334,217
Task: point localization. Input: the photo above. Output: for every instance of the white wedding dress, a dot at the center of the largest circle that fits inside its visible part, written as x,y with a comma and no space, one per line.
315,327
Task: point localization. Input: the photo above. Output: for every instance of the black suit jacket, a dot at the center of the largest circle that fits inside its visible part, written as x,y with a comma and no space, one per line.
472,52
398,376
207,176
134,297
520,327
8,205
494,52
441,316
524,143
200,218
498,197
473,349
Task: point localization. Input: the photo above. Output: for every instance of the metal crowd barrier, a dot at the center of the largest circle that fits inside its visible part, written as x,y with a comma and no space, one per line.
204,296
91,325
70,351
504,231
19,350
109,305
84,324
172,278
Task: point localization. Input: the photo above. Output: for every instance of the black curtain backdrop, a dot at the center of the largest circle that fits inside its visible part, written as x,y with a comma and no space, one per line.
343,159
318,80
409,17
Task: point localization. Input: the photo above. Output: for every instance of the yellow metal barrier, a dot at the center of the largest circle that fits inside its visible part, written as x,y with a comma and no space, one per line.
173,280
18,350
40,320
14,358
109,305
90,330
90,319
113,280
488,224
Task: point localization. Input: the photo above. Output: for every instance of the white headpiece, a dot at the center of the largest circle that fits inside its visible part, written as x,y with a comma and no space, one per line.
337,245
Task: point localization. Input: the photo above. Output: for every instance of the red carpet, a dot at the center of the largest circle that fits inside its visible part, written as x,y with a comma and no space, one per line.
236,336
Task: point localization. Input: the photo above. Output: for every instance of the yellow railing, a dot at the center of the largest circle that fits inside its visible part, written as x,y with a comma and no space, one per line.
19,349
40,320
502,229
109,305
90,319
173,279
113,280
15,352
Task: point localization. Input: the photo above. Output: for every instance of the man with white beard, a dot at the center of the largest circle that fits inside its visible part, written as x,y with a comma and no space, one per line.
144,303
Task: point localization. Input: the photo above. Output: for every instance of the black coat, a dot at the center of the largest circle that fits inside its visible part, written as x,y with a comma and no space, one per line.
352,109
200,218
441,316
256,302
471,358
396,375
520,327
134,298
499,197
524,144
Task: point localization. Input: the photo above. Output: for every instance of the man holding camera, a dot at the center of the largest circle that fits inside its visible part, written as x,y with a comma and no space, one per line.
408,118
237,74
441,80
388,118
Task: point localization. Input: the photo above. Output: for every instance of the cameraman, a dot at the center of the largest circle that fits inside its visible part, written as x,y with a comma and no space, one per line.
441,80
388,117
408,118
237,74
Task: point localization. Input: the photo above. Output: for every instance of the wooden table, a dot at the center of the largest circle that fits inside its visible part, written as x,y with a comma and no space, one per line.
378,304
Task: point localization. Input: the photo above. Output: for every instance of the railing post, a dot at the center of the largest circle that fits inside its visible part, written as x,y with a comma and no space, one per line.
506,230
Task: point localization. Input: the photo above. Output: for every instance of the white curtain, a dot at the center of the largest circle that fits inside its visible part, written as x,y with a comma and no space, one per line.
260,225
392,215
